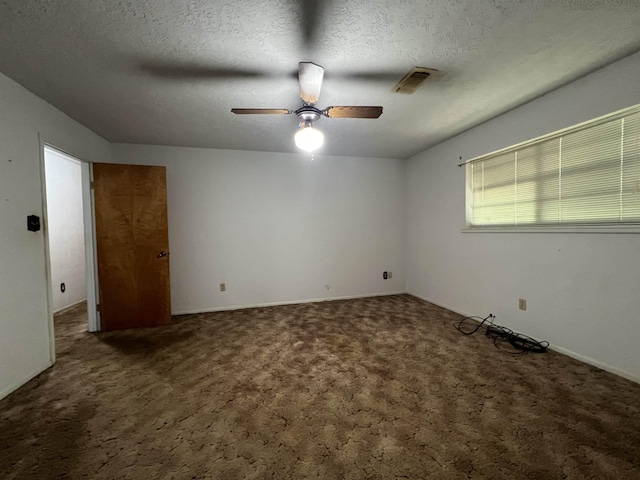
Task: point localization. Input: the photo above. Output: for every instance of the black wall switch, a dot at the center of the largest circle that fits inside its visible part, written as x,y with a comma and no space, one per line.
33,223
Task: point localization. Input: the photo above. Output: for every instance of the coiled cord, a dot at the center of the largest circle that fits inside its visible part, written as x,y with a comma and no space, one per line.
499,334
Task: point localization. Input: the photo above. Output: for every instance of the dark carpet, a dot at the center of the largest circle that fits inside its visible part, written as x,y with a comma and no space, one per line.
375,388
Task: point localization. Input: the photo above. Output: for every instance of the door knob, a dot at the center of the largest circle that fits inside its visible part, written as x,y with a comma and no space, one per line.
162,254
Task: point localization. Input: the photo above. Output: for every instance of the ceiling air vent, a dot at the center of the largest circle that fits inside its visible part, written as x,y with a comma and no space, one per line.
412,80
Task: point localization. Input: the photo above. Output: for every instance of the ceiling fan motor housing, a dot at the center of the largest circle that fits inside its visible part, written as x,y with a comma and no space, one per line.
308,113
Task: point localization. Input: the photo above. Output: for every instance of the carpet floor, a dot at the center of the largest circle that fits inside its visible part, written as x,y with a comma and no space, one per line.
375,388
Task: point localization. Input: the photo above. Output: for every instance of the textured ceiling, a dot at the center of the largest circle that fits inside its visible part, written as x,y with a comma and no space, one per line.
168,72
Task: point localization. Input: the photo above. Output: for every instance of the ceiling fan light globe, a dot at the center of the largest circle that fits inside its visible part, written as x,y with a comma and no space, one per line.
309,139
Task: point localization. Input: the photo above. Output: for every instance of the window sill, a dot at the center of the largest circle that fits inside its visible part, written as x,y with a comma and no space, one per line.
559,229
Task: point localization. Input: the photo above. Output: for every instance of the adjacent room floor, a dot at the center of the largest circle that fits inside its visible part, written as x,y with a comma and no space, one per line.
376,388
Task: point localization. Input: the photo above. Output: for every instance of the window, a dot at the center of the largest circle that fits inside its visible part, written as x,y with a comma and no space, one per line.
584,175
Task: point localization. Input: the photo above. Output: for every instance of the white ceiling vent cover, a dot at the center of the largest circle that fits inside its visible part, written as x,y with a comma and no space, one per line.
412,80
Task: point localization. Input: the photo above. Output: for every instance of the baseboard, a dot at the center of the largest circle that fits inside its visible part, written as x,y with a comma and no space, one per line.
69,306
289,302
556,348
595,363
8,390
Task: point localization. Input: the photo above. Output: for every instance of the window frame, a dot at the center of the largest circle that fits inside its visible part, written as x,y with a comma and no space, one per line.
584,227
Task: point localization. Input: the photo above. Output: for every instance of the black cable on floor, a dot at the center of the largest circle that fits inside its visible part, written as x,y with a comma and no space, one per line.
499,334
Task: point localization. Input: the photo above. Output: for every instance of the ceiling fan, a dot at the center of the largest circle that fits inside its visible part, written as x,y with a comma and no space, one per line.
309,138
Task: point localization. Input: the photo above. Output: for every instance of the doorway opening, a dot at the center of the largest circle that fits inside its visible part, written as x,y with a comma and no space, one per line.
68,233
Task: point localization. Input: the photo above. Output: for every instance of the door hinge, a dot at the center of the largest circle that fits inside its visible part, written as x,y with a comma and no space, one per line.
92,185
98,307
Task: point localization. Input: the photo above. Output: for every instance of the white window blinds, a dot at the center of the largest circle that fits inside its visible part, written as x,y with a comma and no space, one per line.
588,174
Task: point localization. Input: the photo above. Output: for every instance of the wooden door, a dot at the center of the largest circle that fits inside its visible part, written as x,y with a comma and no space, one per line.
132,245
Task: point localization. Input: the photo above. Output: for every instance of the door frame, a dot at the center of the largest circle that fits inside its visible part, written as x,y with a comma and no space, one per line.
89,240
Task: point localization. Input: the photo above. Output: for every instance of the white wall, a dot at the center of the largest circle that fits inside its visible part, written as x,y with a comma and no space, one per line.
65,228
24,322
277,227
583,290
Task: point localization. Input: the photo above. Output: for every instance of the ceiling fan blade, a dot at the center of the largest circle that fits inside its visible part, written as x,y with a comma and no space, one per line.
260,111
352,112
310,78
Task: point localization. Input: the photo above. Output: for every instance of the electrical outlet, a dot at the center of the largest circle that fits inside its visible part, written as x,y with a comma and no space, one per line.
522,304
223,287
385,275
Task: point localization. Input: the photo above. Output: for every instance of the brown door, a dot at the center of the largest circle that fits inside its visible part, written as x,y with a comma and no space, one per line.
132,245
